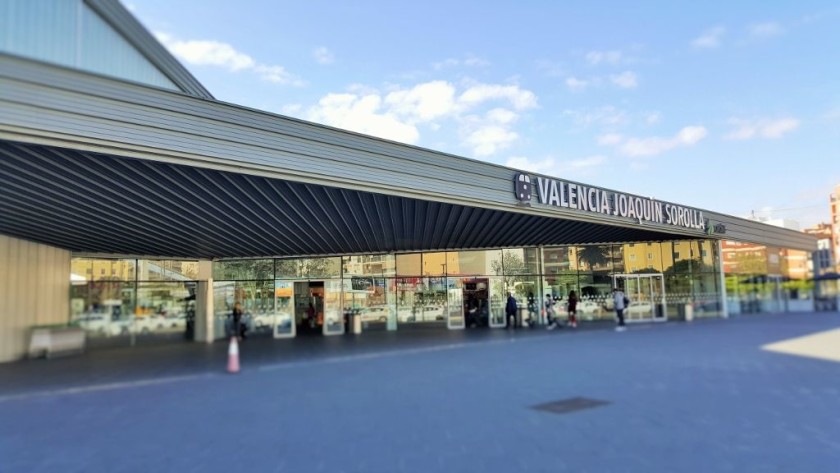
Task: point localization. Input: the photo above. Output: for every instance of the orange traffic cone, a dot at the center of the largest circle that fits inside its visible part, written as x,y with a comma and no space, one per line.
233,356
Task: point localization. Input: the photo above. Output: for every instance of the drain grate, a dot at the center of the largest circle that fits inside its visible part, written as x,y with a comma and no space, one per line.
573,404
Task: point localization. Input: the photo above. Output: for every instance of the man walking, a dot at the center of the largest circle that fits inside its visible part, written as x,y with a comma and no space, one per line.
510,311
620,303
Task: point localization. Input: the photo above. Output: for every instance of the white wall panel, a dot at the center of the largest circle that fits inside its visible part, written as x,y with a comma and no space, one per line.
34,290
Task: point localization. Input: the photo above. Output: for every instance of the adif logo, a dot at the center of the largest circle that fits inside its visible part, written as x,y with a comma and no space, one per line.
522,187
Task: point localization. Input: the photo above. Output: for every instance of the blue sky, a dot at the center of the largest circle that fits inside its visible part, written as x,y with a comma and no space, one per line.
727,106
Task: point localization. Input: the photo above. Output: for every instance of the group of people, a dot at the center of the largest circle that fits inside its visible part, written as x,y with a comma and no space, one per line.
620,303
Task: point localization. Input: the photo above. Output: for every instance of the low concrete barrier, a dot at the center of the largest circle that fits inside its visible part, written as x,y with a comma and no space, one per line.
51,341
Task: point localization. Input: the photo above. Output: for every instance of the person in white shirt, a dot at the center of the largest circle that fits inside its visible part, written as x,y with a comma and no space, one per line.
620,303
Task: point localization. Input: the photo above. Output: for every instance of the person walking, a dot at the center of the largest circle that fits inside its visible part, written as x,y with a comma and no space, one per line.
510,310
549,312
236,318
620,302
572,309
532,310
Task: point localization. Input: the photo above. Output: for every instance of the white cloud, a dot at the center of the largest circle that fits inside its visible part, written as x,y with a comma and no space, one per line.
607,116
576,84
519,98
215,53
363,114
207,53
610,139
469,61
278,75
323,55
625,80
710,38
473,61
765,30
398,114
423,102
688,136
488,140
502,116
543,166
762,128
603,57
652,118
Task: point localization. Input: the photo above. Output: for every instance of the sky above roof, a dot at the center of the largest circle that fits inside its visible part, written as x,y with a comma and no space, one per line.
732,107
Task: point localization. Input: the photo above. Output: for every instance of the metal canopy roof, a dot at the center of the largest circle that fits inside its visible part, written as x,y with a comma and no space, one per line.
95,203
268,181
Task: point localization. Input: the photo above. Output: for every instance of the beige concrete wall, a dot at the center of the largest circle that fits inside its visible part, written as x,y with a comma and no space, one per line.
34,290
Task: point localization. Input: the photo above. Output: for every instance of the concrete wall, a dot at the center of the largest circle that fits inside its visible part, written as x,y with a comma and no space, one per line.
34,290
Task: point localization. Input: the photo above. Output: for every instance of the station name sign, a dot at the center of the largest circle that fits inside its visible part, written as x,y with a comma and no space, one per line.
569,195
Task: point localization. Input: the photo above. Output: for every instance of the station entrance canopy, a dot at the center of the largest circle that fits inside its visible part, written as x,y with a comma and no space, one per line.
98,165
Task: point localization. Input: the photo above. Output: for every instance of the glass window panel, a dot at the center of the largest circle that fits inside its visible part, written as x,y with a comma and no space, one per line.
287,268
434,264
474,263
243,270
102,308
315,268
617,259
167,270
162,307
648,258
103,269
409,264
421,300
594,257
81,269
284,309
368,265
520,261
708,250
557,260
497,301
257,299
368,297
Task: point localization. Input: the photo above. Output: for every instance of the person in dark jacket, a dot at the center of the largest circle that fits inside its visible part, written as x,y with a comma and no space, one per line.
572,309
237,327
510,311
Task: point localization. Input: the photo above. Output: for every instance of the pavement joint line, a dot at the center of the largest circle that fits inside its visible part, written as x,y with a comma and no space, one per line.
105,387
381,354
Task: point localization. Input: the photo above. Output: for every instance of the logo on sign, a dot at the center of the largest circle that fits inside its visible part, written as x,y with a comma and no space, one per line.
522,188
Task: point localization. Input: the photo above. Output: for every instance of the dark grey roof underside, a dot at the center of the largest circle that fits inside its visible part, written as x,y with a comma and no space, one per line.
95,203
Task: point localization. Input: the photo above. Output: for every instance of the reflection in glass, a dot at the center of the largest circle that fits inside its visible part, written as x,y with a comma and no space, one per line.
409,264
474,263
284,309
368,265
104,309
243,270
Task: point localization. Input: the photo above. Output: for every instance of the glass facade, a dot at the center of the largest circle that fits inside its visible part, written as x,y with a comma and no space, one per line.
296,296
70,33
469,288
121,301
762,278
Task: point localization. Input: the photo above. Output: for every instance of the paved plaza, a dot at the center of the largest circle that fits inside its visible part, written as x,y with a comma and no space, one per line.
715,395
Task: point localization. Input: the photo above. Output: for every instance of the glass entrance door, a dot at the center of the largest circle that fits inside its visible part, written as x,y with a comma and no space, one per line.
283,324
647,296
